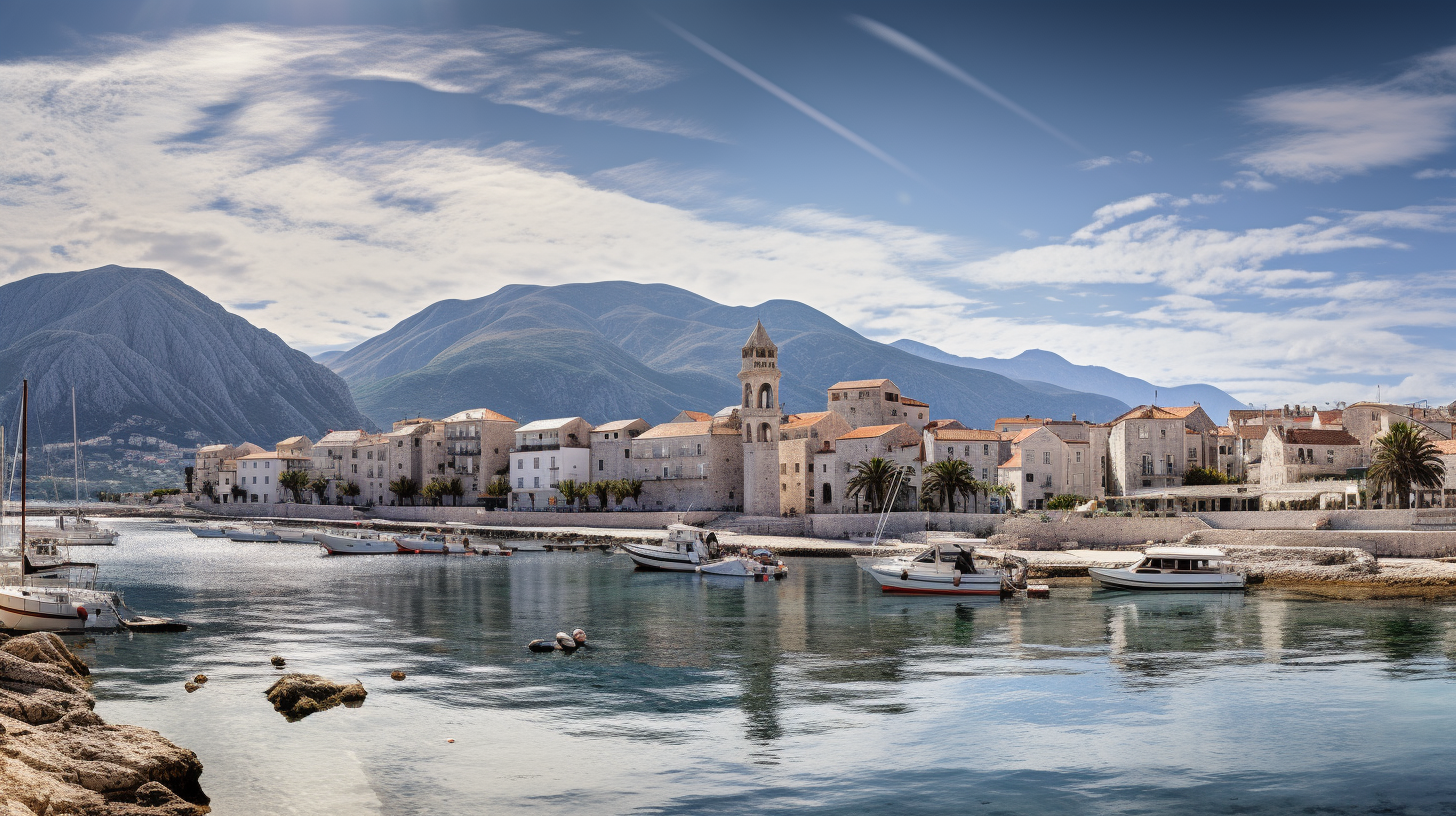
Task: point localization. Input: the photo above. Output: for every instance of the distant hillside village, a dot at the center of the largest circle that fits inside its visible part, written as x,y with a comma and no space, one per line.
872,445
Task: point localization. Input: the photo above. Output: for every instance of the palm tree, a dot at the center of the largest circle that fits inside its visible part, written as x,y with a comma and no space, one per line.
872,480
294,481
350,490
498,488
634,491
456,490
404,488
320,488
949,479
619,490
571,492
436,491
601,490
1405,457
1002,490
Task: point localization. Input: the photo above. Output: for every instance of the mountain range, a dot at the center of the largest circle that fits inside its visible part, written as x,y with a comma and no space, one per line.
158,369
615,350
1049,372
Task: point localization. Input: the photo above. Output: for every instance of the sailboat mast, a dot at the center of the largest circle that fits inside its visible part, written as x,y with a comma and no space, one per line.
76,450
24,457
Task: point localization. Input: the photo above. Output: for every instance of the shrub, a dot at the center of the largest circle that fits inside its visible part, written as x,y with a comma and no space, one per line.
1066,501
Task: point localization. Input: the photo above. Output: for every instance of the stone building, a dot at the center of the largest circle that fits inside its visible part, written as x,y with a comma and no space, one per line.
900,444
332,455
1298,455
806,446
415,452
611,449
760,415
369,470
1149,447
1447,449
207,467
546,452
1367,420
876,402
983,451
695,465
477,446
1044,465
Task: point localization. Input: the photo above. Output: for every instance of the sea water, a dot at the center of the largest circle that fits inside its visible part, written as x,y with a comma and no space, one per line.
812,694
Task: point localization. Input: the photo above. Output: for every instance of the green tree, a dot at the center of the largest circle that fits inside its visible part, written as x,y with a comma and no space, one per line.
1065,501
405,489
498,488
872,481
949,479
350,491
1404,457
436,491
619,490
295,482
571,492
1204,476
1002,490
602,490
634,491
320,488
455,489
209,490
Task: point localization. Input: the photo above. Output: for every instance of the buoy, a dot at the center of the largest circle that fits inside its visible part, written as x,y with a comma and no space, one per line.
540,645
579,635
565,642
190,686
449,740
396,675
277,661
200,679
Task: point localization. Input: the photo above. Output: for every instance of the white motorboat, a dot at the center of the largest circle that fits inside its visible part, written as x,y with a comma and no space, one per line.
436,544
80,532
208,532
684,550
356,544
256,534
294,535
1178,569
948,569
757,564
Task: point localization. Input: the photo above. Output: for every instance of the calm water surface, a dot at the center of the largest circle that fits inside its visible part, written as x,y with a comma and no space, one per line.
810,694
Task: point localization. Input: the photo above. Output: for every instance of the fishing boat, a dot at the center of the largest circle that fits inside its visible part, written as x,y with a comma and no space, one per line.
757,564
261,534
358,544
684,550
1177,569
208,532
948,569
293,535
436,544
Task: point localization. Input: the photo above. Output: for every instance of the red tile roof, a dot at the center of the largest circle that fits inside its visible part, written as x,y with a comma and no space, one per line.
1024,434
698,416
803,420
1013,462
1305,436
669,429
1152,412
858,384
965,435
915,403
869,432
1447,447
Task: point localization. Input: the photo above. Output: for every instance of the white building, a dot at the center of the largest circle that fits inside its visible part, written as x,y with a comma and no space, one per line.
546,452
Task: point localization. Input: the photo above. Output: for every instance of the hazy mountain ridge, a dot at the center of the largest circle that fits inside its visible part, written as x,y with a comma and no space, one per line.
616,349
1036,367
158,367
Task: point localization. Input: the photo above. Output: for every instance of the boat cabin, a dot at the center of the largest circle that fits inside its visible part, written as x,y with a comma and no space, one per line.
684,537
1161,560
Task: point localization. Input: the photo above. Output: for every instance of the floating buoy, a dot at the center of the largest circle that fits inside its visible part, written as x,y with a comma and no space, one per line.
396,675
579,636
449,740
190,686
540,645
200,679
277,661
565,641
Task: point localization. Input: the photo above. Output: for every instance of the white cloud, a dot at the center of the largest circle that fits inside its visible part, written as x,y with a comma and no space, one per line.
1134,157
1341,129
1029,234
1247,180
1433,173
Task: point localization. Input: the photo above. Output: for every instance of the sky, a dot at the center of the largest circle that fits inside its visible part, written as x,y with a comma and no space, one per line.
1259,196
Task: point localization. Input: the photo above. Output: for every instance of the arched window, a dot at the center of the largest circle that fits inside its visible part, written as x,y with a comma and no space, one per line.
826,495
747,395
748,433
765,396
763,433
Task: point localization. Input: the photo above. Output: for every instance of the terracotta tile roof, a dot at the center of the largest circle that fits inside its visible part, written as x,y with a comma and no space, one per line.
965,435
858,384
697,416
618,425
339,438
671,429
1331,416
803,420
1254,431
1023,435
477,414
262,456
869,432
1013,462
946,424
1182,411
904,400
1191,431
1150,412
1447,447
1223,430
294,440
1305,436
1019,421
548,425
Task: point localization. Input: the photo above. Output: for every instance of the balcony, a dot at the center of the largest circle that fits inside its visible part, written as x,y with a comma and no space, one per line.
546,446
463,449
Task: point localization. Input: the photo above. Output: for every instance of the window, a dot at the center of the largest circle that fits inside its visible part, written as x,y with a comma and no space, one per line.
664,471
1030,478
354,468
1192,454
265,480
783,468
553,462
535,481
1330,456
985,474
825,468
1142,432
535,463
985,450
1079,457
353,454
796,464
521,482
520,464
1046,457
950,453
1162,433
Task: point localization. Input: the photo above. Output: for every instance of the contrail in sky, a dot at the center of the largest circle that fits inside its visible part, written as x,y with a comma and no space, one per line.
920,52
794,101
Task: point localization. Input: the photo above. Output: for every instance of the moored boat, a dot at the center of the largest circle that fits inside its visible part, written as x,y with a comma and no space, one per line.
1177,569
947,570
208,532
355,544
758,564
684,550
430,544
294,535
256,534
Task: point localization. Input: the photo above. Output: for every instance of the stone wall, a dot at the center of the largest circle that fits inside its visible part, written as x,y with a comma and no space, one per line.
1383,544
1307,519
1029,532
465,515
860,525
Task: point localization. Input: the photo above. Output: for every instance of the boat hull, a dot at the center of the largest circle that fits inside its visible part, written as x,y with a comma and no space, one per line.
293,536
890,581
743,568
40,610
346,545
207,532
266,538
660,558
1167,582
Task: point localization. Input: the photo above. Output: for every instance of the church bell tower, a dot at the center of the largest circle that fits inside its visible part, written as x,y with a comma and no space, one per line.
760,414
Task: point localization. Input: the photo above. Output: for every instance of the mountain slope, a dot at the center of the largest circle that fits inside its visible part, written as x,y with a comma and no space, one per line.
157,367
616,349
1055,372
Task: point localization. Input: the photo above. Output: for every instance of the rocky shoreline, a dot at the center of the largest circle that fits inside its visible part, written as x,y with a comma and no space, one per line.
58,757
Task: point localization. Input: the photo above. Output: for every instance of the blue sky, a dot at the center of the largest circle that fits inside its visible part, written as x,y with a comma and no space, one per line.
1261,196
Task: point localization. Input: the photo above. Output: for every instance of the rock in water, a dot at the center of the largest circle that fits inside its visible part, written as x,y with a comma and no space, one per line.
58,757
200,679
396,675
277,661
540,645
296,696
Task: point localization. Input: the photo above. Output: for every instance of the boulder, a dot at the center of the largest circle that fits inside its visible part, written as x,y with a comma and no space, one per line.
296,696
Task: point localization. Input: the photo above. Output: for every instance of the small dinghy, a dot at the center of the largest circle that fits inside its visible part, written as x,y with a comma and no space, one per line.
355,544
758,564
255,534
432,544
208,532
1177,569
685,549
948,569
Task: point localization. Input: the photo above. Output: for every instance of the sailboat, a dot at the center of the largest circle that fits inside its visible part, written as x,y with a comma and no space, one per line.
80,531
51,593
